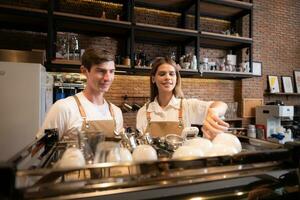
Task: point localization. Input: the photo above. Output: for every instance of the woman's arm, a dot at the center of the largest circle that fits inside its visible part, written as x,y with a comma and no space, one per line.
213,124
141,120
118,118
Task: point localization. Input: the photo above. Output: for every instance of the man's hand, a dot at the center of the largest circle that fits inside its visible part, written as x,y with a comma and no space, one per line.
213,124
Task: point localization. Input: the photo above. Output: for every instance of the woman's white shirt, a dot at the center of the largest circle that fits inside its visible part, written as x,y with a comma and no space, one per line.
194,112
65,116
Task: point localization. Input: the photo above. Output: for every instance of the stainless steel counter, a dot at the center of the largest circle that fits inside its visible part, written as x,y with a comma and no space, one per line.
262,170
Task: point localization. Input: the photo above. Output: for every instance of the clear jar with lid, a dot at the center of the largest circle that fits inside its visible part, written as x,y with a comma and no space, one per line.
251,131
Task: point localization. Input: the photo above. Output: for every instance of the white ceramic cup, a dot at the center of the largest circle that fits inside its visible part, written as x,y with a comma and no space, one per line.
144,152
125,155
221,150
107,152
187,151
200,143
228,140
72,157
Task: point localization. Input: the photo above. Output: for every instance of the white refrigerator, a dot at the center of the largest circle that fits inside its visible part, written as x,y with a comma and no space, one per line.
25,96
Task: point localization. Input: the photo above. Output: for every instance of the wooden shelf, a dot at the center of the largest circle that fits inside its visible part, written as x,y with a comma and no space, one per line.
163,34
70,23
221,9
22,10
66,62
70,85
234,119
140,67
205,74
22,18
188,70
62,65
281,94
73,66
170,5
228,75
183,73
221,41
224,9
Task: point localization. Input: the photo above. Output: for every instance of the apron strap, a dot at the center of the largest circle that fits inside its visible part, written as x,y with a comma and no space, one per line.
148,116
83,114
112,114
180,113
148,113
81,111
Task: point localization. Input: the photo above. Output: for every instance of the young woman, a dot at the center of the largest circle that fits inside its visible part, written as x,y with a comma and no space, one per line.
168,112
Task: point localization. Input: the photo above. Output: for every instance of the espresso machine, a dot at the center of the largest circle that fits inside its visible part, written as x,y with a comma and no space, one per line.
270,117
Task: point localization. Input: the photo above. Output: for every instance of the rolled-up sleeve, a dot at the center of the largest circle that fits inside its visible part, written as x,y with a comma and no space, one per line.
118,118
57,117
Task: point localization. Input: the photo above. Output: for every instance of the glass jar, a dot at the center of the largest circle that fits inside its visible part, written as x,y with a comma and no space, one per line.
251,131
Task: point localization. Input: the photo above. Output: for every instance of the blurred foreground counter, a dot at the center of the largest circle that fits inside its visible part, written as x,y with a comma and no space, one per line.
263,170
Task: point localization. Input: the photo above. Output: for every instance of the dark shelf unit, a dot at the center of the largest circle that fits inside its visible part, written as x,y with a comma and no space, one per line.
281,94
60,65
225,9
235,122
227,75
73,66
23,19
220,41
221,9
171,5
52,21
163,34
234,119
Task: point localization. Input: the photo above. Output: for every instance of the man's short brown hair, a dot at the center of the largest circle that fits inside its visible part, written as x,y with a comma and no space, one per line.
95,56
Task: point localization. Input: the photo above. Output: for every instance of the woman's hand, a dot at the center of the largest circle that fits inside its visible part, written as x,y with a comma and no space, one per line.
213,124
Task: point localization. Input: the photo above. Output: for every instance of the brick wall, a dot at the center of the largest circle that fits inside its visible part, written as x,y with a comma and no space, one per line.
276,29
276,33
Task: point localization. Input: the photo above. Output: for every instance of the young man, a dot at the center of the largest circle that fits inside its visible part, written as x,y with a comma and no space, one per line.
88,111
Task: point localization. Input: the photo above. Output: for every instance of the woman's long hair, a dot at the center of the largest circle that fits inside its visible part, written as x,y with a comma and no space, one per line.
177,91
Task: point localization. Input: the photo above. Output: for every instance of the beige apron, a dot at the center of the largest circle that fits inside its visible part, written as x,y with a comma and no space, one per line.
107,127
162,128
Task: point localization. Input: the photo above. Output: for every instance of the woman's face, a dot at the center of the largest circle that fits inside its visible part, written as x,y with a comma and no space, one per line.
165,78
